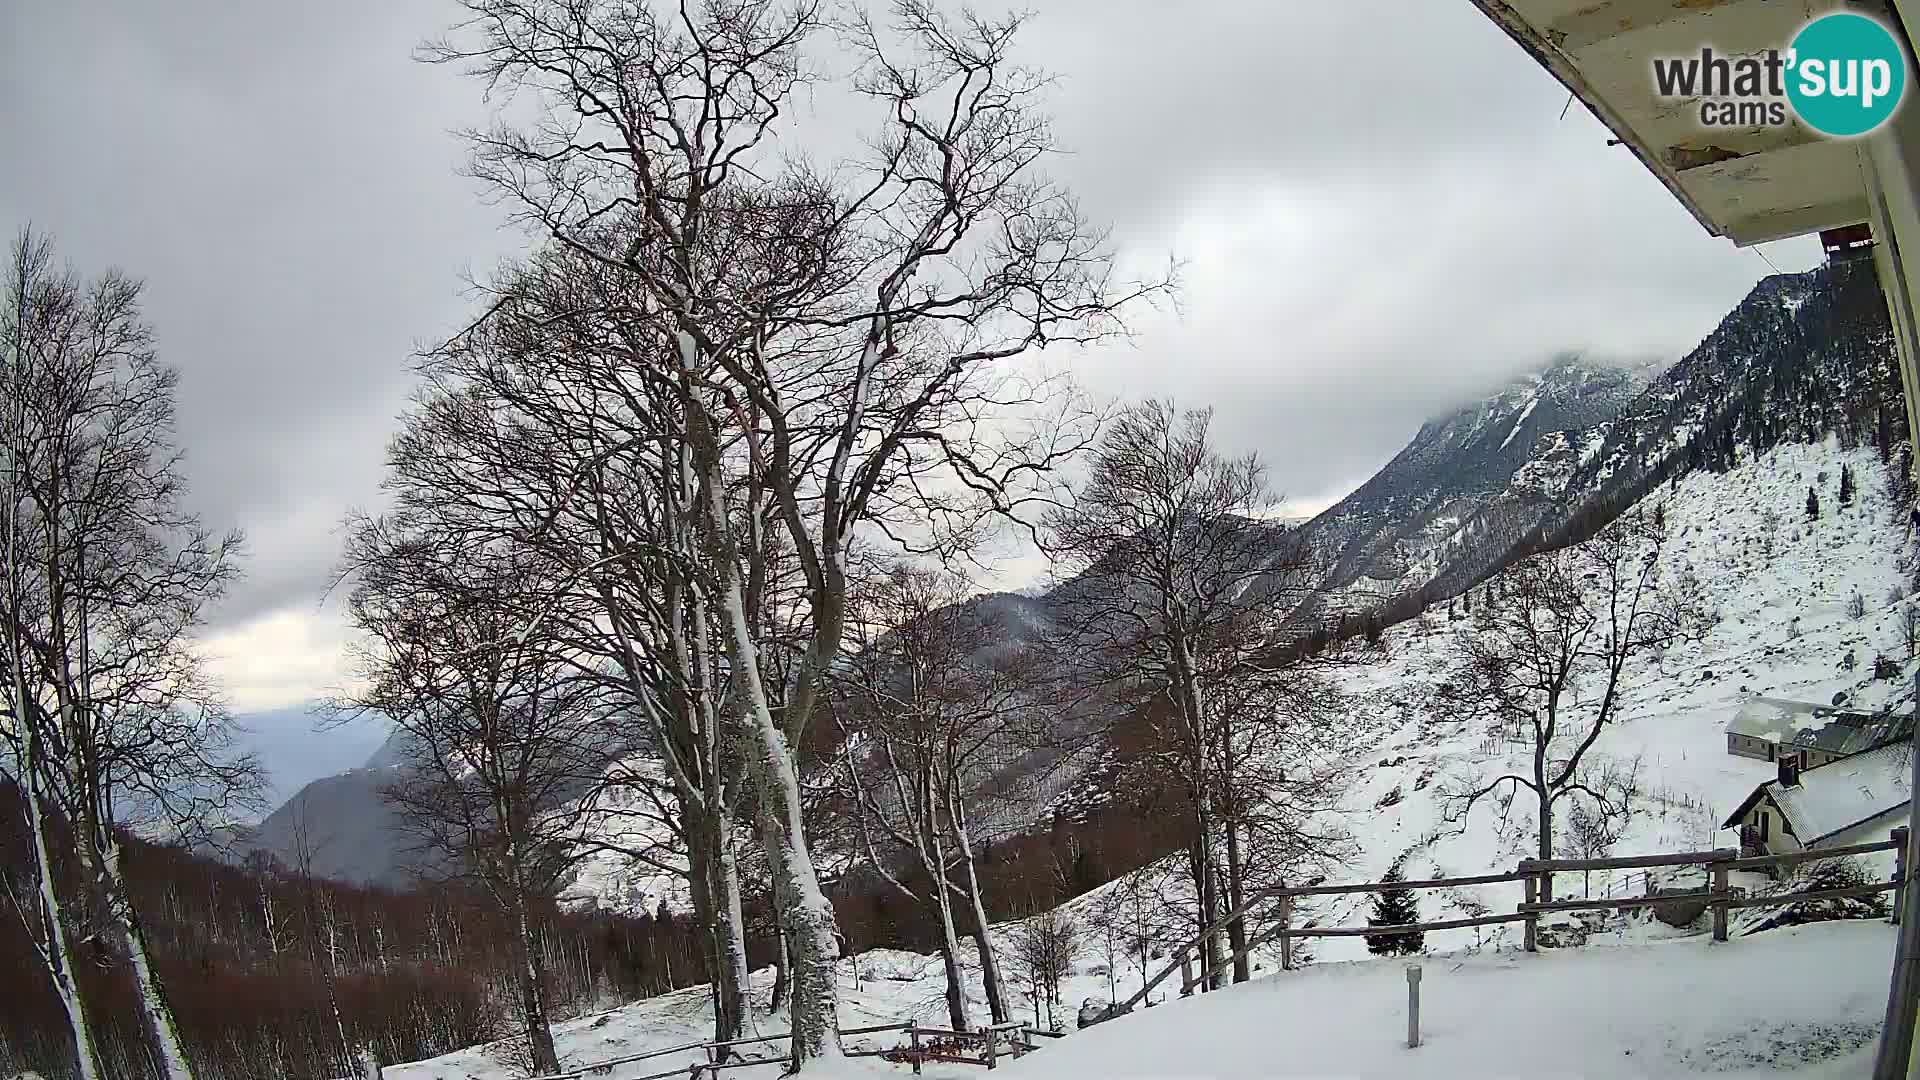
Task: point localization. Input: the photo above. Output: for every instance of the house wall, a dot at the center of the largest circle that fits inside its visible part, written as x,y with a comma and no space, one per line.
1779,835
1750,747
1818,757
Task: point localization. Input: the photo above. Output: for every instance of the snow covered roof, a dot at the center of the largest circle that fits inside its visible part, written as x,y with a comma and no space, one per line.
1818,727
1836,796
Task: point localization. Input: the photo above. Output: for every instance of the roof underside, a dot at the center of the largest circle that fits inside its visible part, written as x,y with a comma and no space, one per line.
1749,184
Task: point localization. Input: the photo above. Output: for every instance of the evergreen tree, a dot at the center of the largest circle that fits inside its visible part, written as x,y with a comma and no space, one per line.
1846,485
1394,907
1813,505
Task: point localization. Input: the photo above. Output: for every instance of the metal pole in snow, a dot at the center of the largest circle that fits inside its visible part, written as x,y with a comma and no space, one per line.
1413,1005
1896,1033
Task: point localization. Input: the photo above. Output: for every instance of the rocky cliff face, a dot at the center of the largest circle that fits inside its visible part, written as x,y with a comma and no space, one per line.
1429,506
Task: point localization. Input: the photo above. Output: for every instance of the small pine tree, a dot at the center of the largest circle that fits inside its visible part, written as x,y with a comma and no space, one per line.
1394,907
1846,485
1813,505
1659,515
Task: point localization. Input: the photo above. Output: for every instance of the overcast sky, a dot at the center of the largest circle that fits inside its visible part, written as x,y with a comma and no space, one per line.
1380,211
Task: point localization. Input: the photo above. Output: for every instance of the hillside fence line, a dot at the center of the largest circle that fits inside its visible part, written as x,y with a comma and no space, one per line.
1535,876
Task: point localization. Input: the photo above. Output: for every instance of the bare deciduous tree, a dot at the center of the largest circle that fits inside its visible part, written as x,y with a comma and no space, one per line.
1180,579
1045,947
501,734
108,577
1552,653
929,707
833,343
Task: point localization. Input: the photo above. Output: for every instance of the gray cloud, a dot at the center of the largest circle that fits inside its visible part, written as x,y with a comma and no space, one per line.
1380,212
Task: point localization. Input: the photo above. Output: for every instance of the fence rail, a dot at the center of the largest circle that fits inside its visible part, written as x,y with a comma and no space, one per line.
1536,876
914,1053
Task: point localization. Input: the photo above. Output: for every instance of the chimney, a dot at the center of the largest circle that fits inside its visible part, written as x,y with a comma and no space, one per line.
1789,770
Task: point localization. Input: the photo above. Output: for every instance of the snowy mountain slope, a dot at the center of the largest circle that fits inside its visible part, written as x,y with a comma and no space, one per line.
1801,355
1396,532
1781,587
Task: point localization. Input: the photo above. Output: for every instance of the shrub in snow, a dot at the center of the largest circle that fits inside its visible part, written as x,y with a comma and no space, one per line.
1817,876
1886,667
1857,606
1394,907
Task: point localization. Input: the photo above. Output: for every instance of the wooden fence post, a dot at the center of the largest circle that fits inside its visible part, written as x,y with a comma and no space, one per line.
1286,923
1899,871
1719,901
992,1037
913,1037
1533,917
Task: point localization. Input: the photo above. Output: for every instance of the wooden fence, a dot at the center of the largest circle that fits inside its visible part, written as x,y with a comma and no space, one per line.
1536,876
1010,1039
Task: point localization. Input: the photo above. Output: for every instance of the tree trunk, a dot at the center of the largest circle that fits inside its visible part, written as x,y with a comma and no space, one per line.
956,981
938,889
1236,897
61,960
1193,714
782,973
154,1008
1546,843
814,947
1216,966
700,890
983,942
533,1003
803,907
782,959
736,981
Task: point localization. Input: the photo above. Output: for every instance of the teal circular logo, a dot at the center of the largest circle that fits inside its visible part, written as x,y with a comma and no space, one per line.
1846,74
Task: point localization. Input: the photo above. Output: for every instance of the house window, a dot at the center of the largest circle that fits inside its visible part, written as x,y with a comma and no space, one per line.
1769,751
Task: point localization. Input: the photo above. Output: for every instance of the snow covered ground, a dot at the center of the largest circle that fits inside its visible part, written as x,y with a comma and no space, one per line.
1805,1002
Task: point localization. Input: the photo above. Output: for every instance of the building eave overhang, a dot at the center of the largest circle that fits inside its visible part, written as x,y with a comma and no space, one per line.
1748,184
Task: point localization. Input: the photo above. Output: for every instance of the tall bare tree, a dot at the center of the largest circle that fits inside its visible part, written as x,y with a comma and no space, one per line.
929,705
1550,653
834,341
108,581
502,735
1178,581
